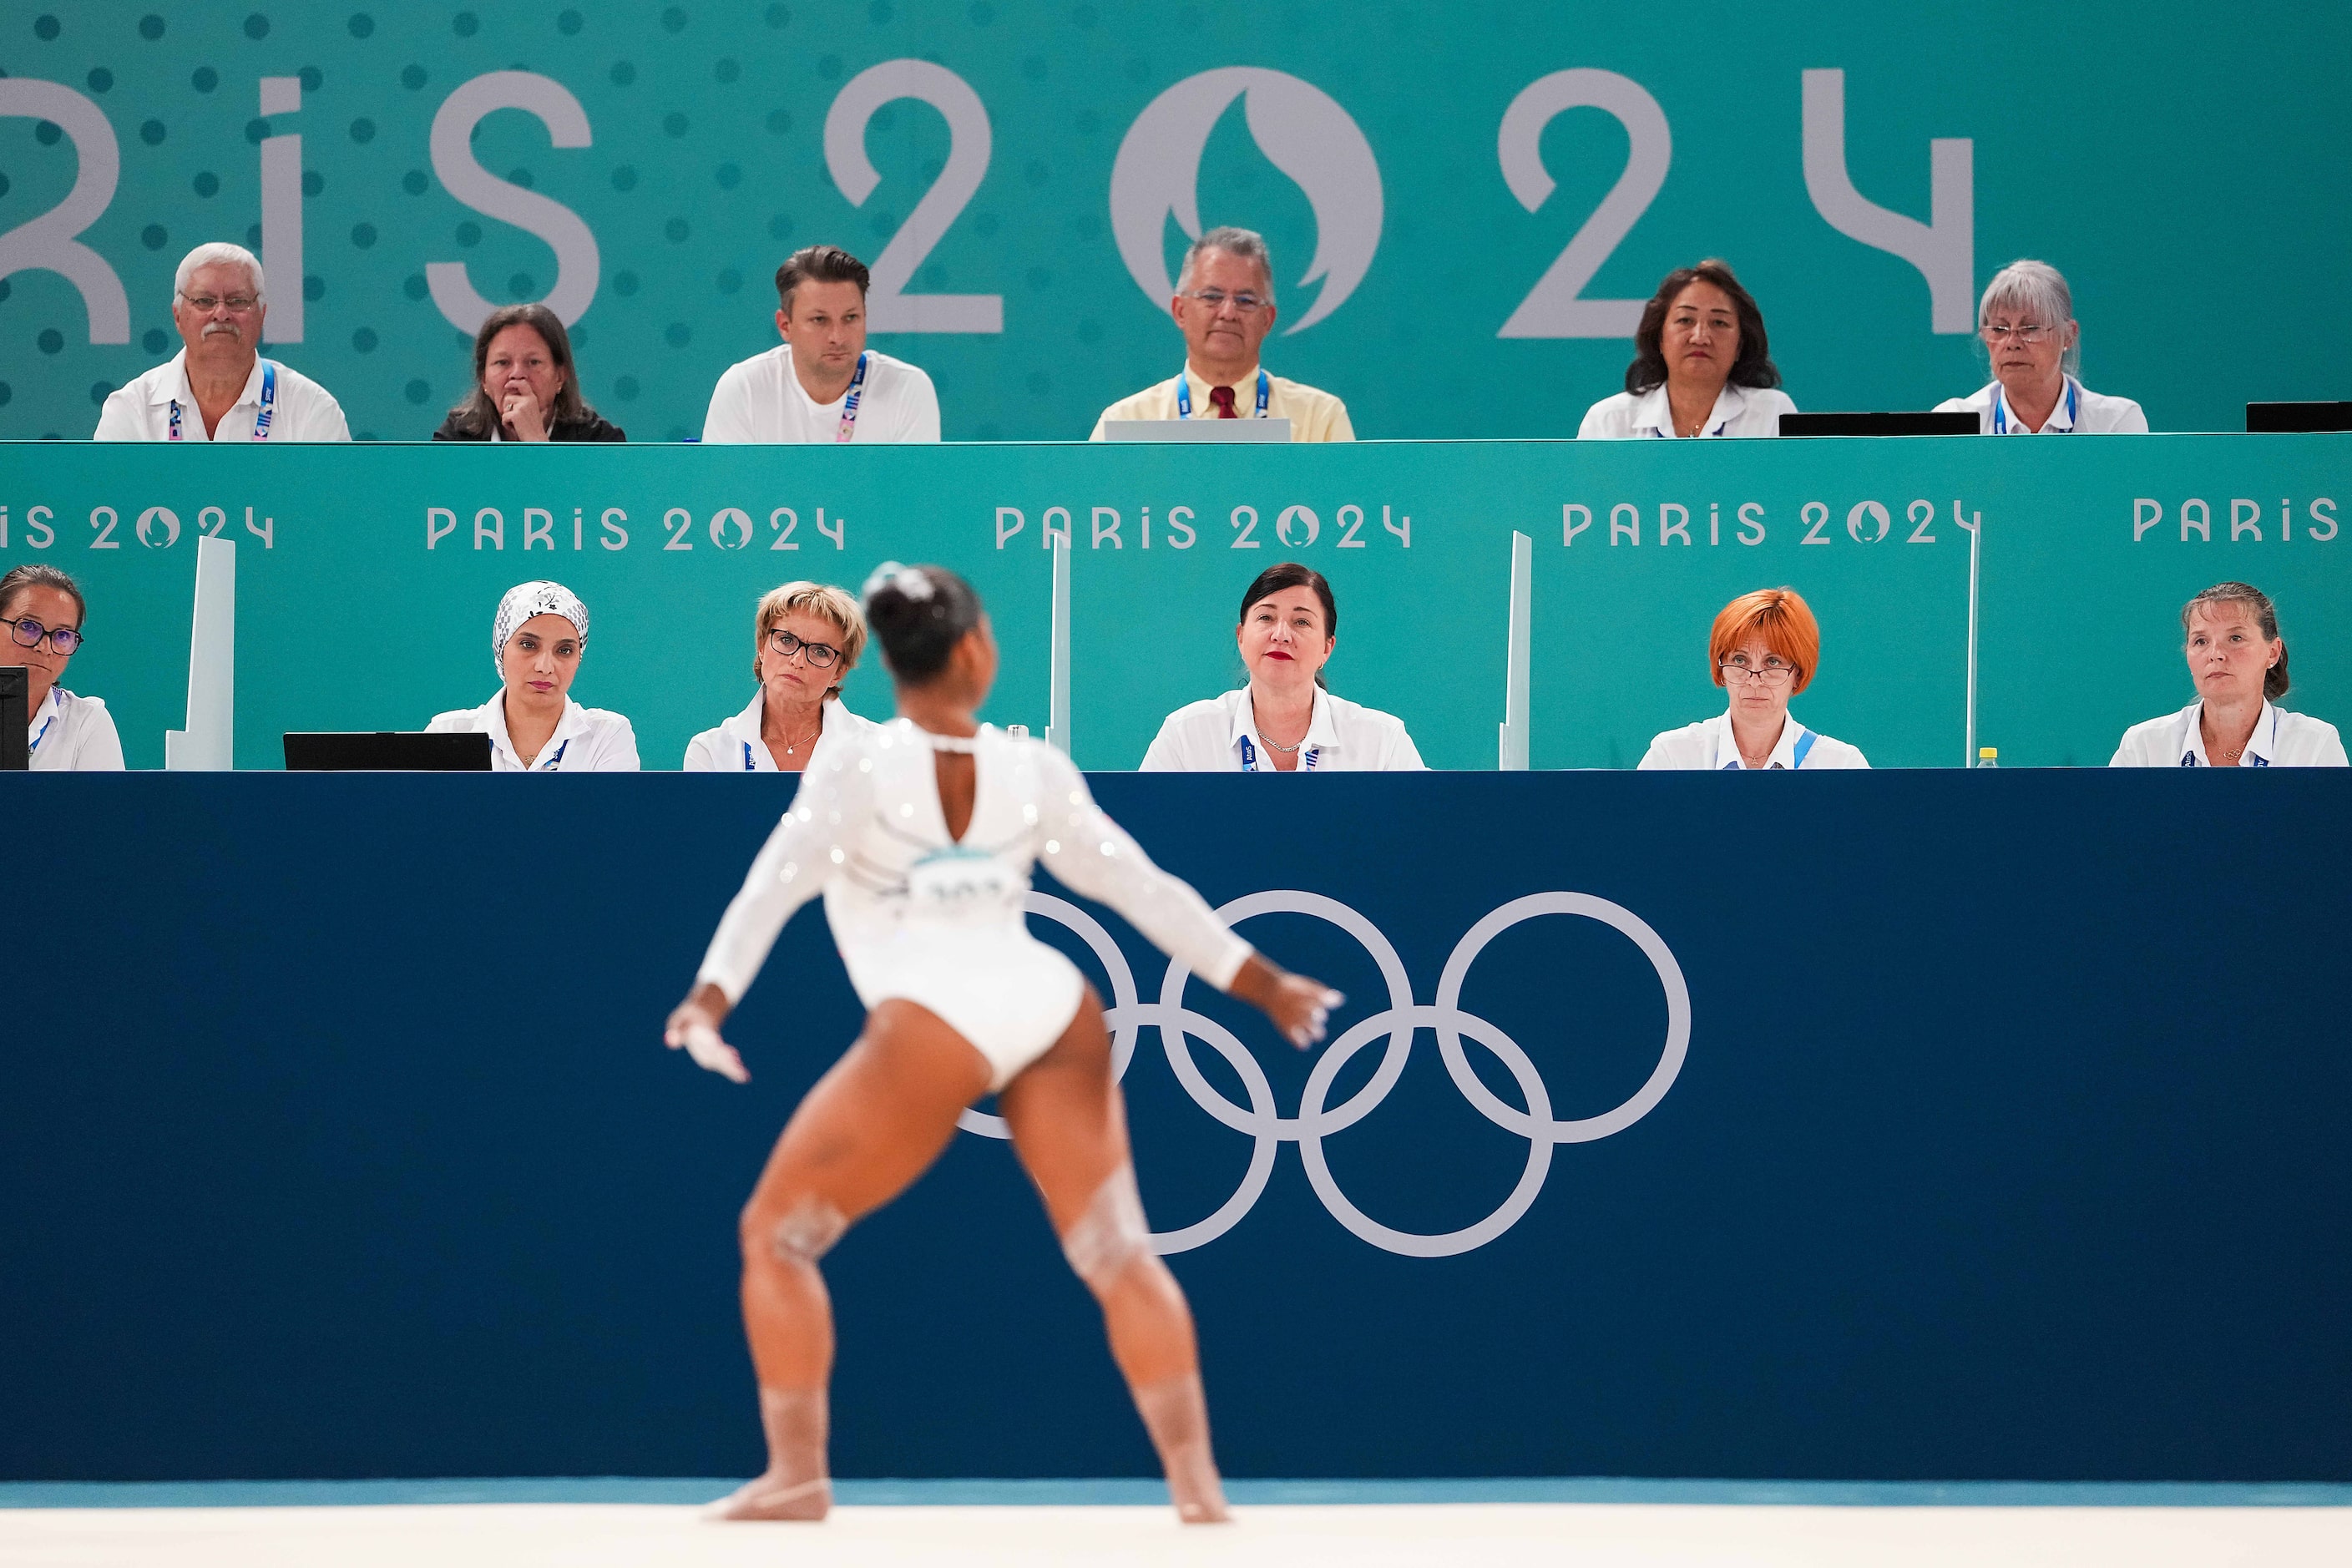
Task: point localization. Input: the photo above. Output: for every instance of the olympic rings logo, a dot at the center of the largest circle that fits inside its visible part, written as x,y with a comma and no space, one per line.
1399,1022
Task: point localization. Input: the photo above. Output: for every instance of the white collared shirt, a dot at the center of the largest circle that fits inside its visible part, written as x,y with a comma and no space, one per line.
586,740
72,735
2079,411
1219,734
1738,411
2281,740
302,410
734,746
762,399
1709,744
1313,415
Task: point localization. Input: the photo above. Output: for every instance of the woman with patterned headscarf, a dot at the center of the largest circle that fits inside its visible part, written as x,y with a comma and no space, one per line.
534,726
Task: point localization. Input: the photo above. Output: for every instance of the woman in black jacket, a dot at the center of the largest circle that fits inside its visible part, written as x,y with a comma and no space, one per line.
525,387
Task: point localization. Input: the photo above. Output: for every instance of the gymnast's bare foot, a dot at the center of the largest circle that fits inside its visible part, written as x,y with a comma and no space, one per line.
773,1497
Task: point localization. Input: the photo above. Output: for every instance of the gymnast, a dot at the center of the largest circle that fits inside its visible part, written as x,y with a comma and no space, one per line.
921,832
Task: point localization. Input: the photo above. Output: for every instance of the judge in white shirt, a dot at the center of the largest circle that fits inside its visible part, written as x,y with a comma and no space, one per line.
2238,660
1284,721
1765,648
1225,307
805,639
537,641
218,387
43,613
823,383
1702,365
2026,322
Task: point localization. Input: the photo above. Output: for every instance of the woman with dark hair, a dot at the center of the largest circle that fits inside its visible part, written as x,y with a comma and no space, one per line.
1701,365
1283,718
921,834
2238,660
43,612
526,387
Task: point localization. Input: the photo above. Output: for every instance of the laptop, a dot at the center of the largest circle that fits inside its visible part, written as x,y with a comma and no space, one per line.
16,696
2295,419
1961,424
1276,430
387,752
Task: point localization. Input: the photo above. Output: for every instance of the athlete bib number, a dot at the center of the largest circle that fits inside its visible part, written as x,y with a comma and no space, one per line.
962,887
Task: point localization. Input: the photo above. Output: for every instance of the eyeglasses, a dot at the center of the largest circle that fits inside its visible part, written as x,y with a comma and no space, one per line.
29,633
821,656
1772,672
239,304
1997,333
1217,298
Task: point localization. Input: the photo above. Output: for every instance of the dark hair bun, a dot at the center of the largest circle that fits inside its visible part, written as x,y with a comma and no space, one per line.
919,614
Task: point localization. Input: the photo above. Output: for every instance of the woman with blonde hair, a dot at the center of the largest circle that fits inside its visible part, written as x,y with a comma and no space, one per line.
805,639
1764,649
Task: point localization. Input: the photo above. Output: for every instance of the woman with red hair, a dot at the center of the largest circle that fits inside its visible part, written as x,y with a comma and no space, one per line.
1764,649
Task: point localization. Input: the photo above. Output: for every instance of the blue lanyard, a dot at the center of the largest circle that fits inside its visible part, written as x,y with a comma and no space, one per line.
1804,746
2001,408
43,736
749,766
555,762
1184,394
849,403
261,420
1249,757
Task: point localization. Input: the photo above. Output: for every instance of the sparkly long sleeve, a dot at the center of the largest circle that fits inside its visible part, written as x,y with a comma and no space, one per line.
835,796
1083,847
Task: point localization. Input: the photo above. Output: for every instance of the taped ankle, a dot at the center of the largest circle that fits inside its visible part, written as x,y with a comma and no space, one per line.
1111,1234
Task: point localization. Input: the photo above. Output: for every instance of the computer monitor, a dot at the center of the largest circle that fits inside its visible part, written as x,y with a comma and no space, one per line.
2296,418
388,752
15,699
1961,424
1246,430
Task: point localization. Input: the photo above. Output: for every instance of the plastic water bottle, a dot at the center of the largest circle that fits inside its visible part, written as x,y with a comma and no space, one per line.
1988,756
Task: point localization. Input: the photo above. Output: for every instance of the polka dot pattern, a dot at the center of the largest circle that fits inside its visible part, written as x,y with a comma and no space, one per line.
704,170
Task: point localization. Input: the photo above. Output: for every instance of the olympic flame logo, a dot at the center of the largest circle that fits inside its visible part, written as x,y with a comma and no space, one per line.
1401,1022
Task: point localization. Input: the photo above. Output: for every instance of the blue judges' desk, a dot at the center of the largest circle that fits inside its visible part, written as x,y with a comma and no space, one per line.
336,1140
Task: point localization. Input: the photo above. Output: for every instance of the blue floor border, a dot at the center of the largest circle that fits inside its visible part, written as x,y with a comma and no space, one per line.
1133,1492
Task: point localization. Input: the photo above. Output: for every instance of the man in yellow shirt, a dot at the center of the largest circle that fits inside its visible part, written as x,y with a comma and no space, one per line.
1224,306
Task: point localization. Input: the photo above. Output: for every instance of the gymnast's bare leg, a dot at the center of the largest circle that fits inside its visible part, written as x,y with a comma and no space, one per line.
1069,1125
872,1124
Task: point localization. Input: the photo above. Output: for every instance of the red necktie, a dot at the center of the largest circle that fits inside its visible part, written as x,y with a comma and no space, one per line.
1223,396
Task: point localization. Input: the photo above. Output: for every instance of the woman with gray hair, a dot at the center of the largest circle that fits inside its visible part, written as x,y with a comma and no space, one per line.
2027,323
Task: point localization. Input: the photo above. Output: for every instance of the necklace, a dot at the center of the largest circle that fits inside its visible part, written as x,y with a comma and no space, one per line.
1283,749
794,750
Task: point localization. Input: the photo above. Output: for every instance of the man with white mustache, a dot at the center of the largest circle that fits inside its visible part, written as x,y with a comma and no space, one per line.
219,389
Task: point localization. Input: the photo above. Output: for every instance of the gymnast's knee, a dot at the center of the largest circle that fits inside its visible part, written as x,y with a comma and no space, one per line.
796,1235
1110,1238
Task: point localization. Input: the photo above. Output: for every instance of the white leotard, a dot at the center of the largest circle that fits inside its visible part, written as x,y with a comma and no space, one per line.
938,922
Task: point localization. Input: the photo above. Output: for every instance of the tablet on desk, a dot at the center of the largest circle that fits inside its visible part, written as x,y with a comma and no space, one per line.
1212,430
388,752
2296,418
1956,423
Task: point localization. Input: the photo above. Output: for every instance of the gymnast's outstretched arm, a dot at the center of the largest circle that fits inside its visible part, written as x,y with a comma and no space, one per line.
835,796
1079,843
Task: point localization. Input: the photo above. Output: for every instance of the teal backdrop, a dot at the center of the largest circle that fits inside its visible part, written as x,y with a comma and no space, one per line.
367,577
2179,161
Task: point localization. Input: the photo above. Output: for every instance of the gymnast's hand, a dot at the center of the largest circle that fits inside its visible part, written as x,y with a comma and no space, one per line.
1299,1007
694,1029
